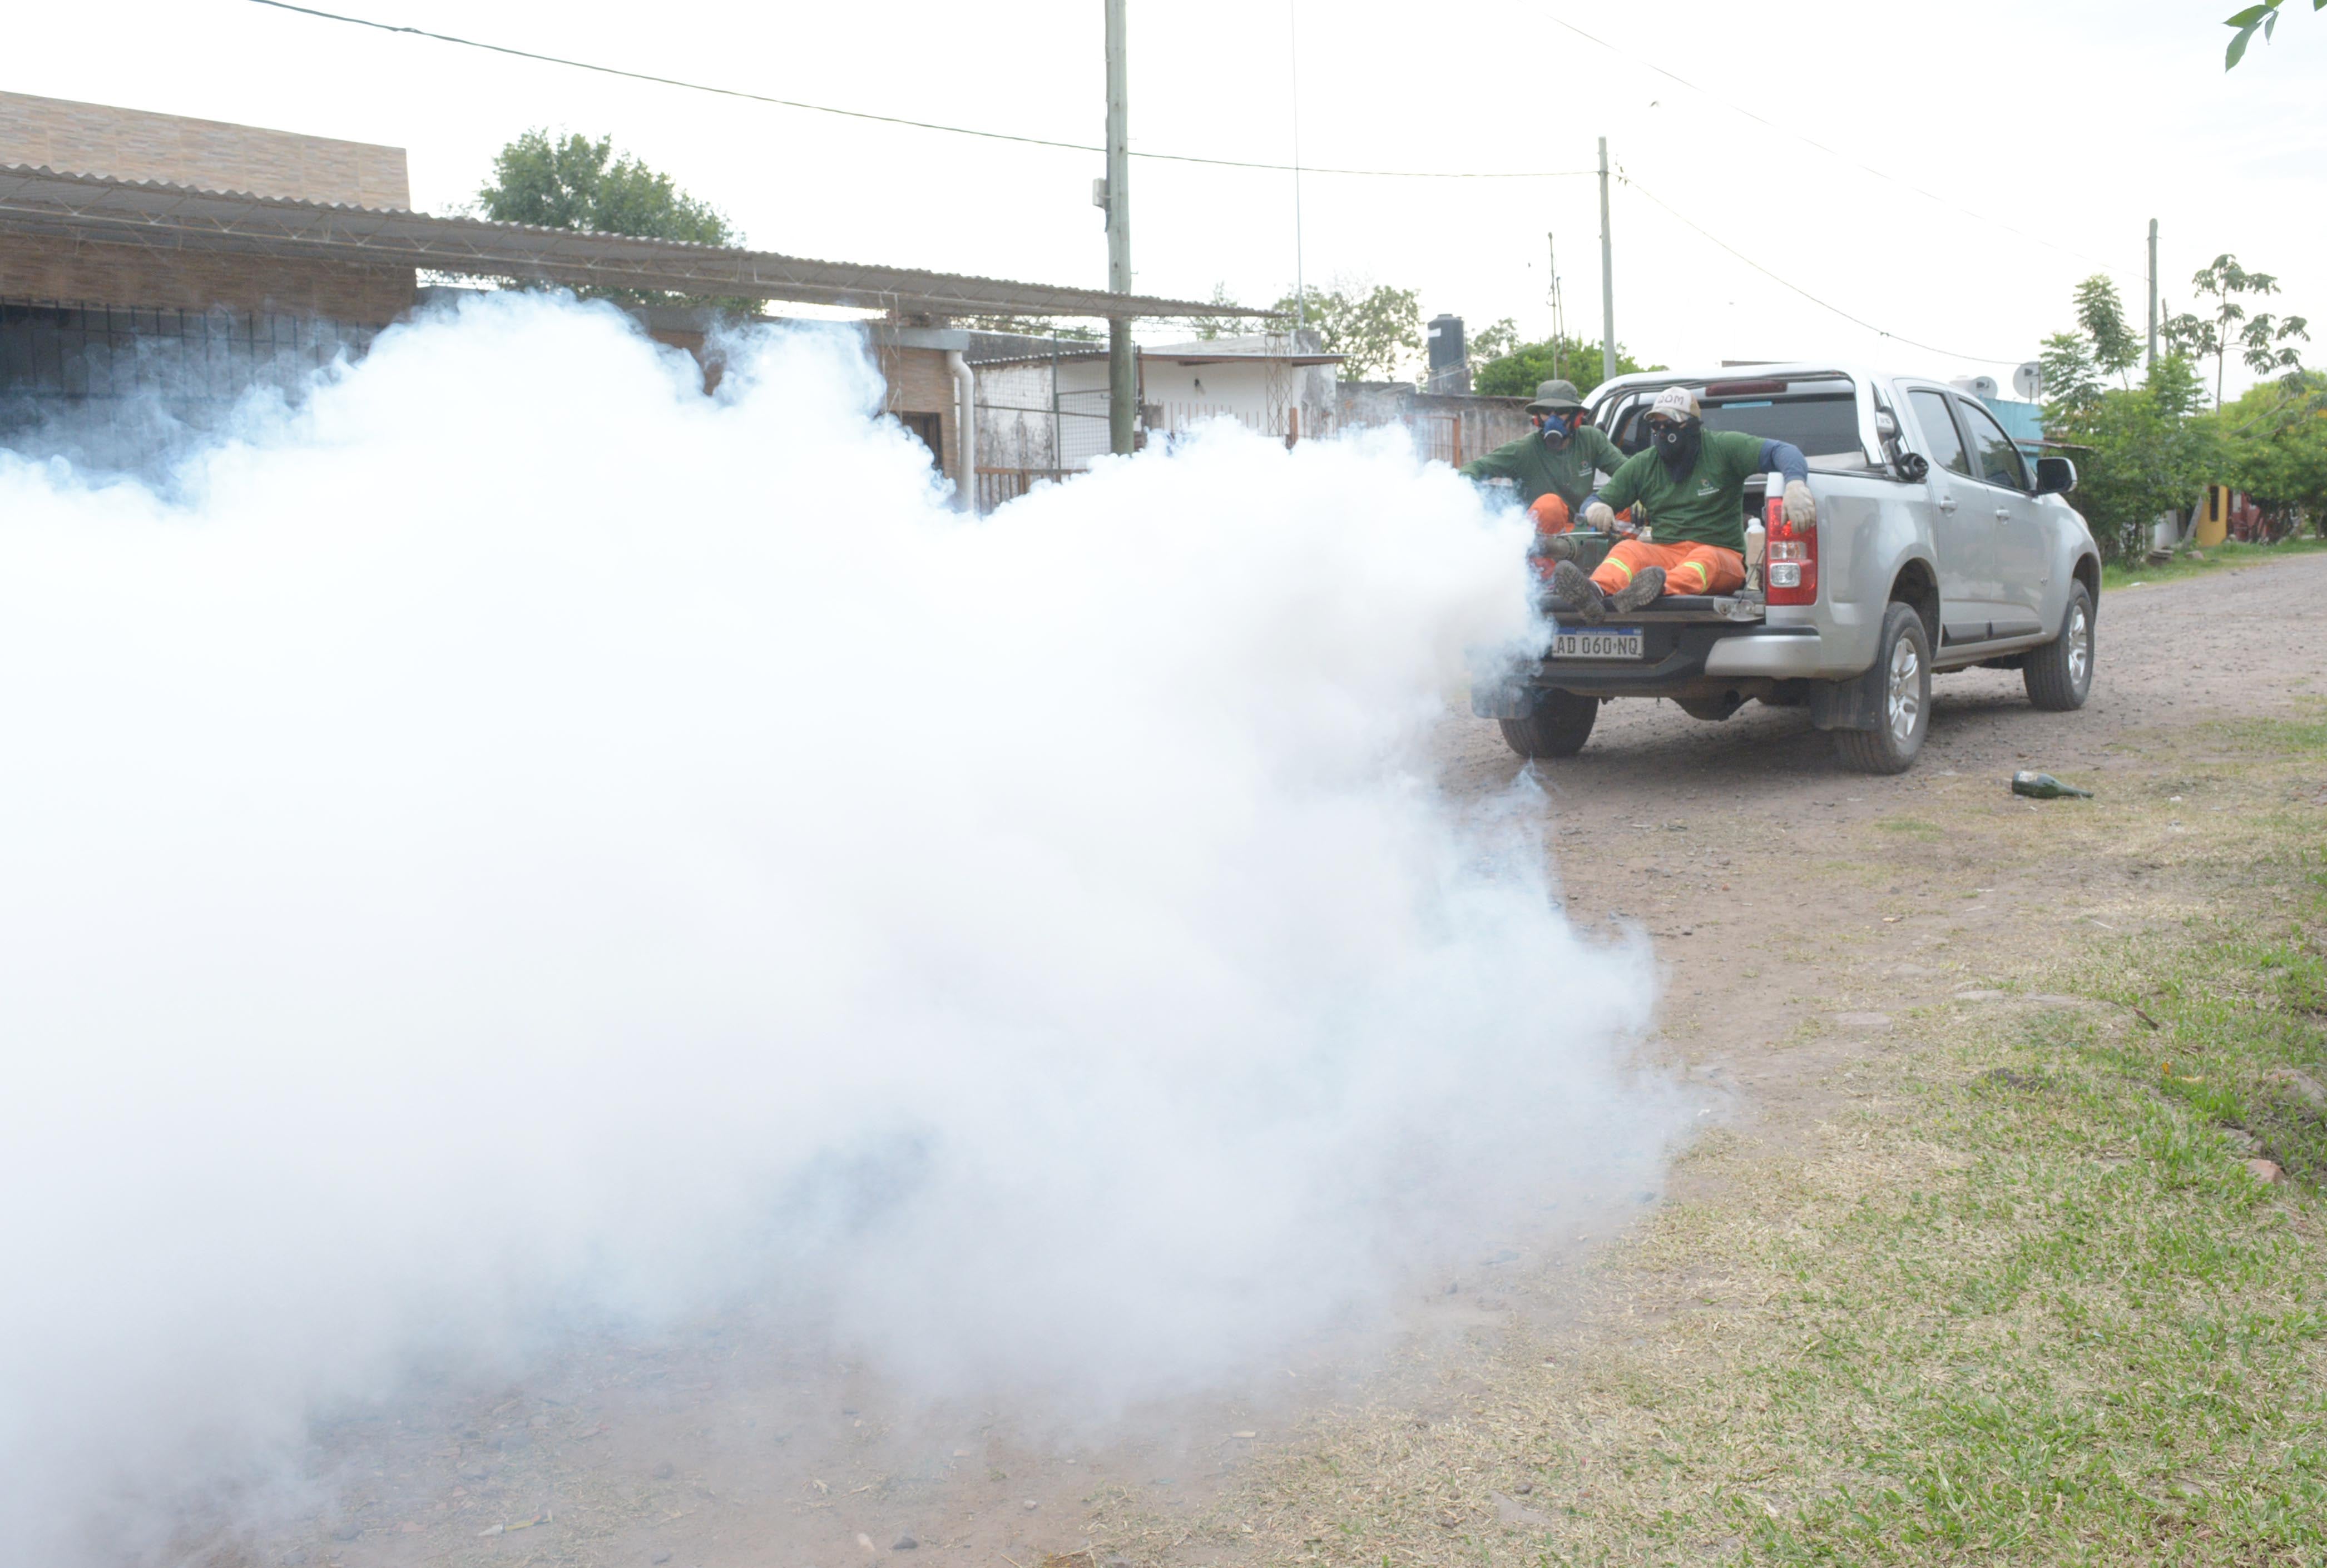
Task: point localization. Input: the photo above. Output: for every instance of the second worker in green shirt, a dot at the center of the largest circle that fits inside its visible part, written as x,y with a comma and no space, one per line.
1562,458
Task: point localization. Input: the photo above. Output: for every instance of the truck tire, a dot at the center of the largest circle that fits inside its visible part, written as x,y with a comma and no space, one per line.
1560,725
2060,675
1902,671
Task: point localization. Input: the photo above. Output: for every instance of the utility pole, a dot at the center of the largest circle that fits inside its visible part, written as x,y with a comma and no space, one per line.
1293,56
2153,290
1607,278
1558,320
1122,358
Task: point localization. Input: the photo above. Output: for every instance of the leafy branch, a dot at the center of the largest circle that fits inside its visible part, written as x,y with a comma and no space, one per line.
2264,16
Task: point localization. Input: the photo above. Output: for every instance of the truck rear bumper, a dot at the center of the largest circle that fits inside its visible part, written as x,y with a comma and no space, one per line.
1776,652
1684,658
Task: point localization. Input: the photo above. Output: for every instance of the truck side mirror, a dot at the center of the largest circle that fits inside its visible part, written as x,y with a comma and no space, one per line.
2055,476
1913,467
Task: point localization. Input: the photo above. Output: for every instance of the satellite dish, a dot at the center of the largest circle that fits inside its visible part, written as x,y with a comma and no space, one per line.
2028,381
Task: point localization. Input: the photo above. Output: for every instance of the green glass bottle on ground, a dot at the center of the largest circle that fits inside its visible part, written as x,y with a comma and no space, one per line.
2044,787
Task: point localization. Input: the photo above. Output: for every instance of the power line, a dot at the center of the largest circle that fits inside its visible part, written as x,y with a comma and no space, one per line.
1295,169
1822,304
921,125
1809,141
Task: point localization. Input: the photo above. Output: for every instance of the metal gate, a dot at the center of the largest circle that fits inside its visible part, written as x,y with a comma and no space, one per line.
114,387
1052,442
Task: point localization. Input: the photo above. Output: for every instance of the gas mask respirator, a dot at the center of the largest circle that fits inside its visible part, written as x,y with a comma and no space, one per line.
1677,443
1555,429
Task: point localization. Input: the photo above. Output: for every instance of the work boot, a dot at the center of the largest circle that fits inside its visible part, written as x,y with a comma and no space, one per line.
1573,592
1648,584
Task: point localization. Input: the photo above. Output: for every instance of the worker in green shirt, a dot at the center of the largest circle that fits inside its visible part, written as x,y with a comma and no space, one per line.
1560,459
1691,483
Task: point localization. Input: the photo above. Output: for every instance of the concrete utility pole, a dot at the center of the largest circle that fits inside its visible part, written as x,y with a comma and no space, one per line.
1122,360
1293,58
1607,277
2153,290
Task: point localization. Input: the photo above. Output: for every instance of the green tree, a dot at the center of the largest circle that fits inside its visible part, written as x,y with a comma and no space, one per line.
2193,336
2068,371
2264,16
1210,327
578,183
1376,331
2140,448
2073,366
1526,366
1492,341
2140,452
2100,314
2263,341
2275,448
1031,327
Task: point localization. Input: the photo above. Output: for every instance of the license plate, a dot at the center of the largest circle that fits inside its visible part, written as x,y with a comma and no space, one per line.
1597,642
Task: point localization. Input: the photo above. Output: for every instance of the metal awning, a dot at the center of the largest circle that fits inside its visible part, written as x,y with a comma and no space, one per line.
1294,360
162,217
1161,357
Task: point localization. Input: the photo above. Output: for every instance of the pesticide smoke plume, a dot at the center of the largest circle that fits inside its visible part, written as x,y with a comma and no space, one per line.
516,840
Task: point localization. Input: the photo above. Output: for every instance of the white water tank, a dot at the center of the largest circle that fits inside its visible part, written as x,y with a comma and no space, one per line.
1981,387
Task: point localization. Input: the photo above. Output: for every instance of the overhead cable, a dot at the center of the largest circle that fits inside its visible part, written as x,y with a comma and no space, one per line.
1809,141
1823,305
925,124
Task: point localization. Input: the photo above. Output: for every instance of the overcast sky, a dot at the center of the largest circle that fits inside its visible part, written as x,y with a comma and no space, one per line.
2046,135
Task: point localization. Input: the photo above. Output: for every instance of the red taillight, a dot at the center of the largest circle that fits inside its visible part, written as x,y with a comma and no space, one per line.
1790,565
1790,559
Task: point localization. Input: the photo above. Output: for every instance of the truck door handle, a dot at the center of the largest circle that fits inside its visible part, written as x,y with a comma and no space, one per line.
1947,503
2003,514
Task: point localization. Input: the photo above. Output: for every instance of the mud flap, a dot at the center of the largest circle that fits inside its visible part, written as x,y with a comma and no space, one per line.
1855,703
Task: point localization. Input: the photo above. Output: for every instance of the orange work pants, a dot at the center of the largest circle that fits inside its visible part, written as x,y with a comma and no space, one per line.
1689,568
1549,511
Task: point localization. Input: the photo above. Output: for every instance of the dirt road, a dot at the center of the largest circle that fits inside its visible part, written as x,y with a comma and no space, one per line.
1797,910
1841,956
1740,846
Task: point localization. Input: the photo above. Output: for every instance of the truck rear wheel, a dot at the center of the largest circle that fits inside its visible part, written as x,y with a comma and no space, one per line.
1558,727
2060,675
1902,674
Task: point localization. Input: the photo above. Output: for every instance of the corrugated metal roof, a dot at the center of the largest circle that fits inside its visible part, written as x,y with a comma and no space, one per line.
164,217
1252,348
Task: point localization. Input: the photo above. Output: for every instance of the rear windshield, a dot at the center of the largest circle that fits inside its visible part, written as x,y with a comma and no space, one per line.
1823,425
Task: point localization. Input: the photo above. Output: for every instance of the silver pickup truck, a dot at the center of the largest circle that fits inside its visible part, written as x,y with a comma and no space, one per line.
1937,549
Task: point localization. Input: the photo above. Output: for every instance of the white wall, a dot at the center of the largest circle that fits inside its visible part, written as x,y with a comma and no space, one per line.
1263,394
1267,396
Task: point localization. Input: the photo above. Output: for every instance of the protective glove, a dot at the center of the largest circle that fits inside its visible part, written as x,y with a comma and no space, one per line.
1600,517
1800,507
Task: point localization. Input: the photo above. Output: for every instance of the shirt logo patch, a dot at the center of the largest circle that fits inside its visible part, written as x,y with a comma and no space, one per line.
1707,488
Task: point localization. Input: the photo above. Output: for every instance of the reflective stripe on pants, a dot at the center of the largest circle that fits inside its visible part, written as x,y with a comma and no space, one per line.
1689,568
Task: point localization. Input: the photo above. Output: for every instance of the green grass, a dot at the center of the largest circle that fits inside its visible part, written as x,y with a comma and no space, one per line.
2014,1296
2096,1341
2102,1339
2020,1305
2239,994
2221,557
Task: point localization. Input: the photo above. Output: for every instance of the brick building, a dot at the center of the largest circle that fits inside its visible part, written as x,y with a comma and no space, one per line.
130,145
144,253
